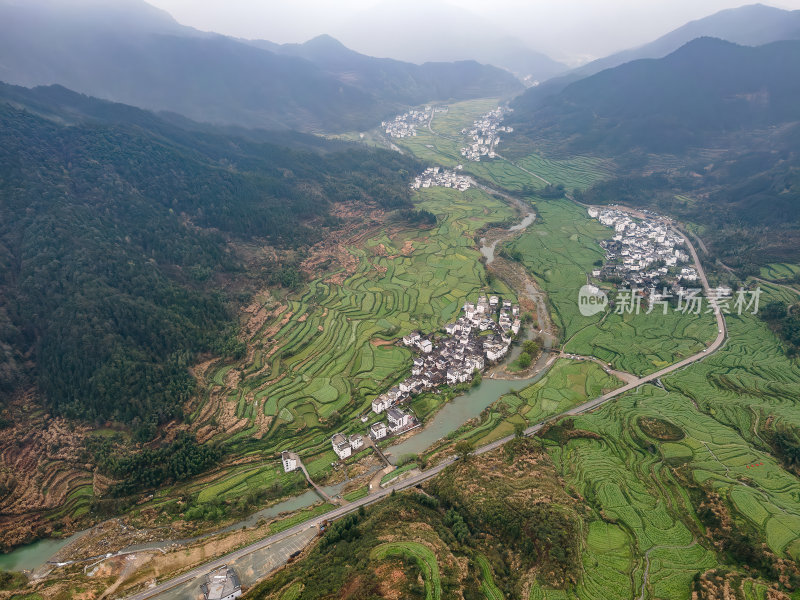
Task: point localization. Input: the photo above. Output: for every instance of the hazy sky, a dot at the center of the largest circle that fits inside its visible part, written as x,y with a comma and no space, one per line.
572,30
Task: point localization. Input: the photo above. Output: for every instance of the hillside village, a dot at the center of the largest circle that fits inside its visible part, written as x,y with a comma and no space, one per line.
434,176
643,252
485,135
474,340
481,336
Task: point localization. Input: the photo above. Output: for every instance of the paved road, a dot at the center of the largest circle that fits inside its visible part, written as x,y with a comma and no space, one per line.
432,472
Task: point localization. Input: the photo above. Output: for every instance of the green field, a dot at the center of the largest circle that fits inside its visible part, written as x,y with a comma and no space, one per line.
443,146
561,250
566,385
419,554
489,589
780,271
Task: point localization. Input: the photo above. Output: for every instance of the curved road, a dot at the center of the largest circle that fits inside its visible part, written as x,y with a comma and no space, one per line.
432,472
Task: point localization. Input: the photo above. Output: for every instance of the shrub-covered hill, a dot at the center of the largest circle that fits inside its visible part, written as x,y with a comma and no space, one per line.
118,244
483,528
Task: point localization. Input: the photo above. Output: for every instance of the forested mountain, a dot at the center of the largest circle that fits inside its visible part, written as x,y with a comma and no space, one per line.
713,120
134,54
708,87
119,238
752,25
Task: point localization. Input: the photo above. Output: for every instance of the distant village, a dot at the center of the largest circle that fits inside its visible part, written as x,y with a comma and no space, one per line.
405,125
434,176
485,135
481,336
643,252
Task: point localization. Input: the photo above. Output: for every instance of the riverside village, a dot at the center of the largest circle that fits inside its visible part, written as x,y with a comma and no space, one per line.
481,336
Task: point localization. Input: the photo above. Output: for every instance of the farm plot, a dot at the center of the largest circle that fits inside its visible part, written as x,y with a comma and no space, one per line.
780,271
333,349
578,172
488,587
627,475
419,554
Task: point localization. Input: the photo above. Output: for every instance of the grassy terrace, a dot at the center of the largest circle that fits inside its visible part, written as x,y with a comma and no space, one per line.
330,350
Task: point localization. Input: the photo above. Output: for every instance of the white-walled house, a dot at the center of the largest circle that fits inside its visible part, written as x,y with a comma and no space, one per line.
355,441
341,446
377,431
289,461
380,404
397,418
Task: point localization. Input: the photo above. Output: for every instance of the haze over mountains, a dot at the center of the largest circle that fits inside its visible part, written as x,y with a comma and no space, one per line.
139,55
751,25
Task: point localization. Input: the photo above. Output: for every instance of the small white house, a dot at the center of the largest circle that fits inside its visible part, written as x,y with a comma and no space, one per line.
289,461
411,339
426,346
341,446
356,441
377,431
380,404
397,418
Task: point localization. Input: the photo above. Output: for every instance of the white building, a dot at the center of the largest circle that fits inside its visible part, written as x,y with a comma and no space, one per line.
397,418
377,431
289,461
341,446
380,404
355,441
426,346
411,339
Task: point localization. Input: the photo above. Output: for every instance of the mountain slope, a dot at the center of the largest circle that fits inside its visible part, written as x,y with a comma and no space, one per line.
144,58
708,134
752,25
119,245
708,87
405,82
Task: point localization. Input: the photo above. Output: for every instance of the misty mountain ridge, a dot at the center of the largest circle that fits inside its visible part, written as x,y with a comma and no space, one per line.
139,55
420,31
707,87
751,25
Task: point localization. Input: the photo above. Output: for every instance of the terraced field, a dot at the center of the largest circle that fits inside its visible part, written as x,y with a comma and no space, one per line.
419,554
327,351
578,172
489,589
780,271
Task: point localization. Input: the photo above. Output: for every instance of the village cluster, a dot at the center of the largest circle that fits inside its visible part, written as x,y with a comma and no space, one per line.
485,135
643,252
434,176
480,336
405,125
468,344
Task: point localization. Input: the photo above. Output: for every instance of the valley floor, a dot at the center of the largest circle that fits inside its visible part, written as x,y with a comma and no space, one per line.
658,482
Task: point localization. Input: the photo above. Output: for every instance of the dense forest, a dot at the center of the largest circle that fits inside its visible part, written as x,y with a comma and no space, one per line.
118,245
